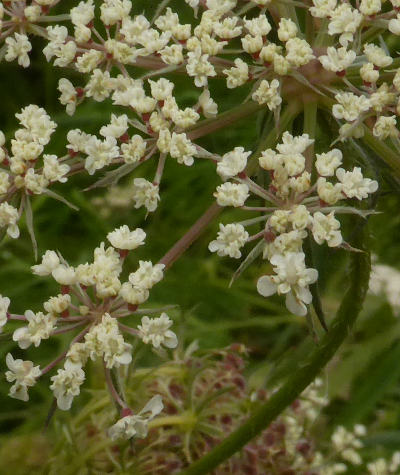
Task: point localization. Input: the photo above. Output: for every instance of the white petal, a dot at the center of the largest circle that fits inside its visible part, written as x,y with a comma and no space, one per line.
265,286
155,406
171,340
304,294
64,402
13,231
213,246
10,362
295,306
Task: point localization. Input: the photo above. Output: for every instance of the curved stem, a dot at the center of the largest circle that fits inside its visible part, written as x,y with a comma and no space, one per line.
304,374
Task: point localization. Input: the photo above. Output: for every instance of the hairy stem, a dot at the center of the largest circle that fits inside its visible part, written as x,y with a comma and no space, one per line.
304,374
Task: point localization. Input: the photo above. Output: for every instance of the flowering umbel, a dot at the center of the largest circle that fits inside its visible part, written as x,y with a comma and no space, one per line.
92,305
297,208
303,67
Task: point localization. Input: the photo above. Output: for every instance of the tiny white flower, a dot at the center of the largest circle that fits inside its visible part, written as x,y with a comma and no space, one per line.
50,261
237,75
299,217
4,304
136,425
145,194
291,145
182,149
66,385
354,185
9,217
57,304
53,170
117,127
292,279
157,331
385,127
394,25
326,228
328,162
268,93
207,104
123,238
328,192
232,163
323,8
134,150
161,89
370,7
231,194
132,294
18,47
337,60
368,73
230,238
68,95
24,374
298,52
147,275
350,106
39,328
105,341
377,56
64,275
287,29
258,26
199,67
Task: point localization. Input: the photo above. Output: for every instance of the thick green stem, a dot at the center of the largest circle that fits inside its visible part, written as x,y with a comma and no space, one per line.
305,373
388,155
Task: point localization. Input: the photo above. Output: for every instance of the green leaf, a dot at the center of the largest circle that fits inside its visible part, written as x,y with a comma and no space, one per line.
112,177
58,197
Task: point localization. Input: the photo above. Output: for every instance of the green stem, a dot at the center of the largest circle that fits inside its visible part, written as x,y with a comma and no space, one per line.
186,419
388,155
302,377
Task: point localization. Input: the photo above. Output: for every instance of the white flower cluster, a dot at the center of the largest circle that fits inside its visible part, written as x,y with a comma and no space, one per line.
93,300
251,46
274,60
346,443
385,467
298,208
25,171
17,19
